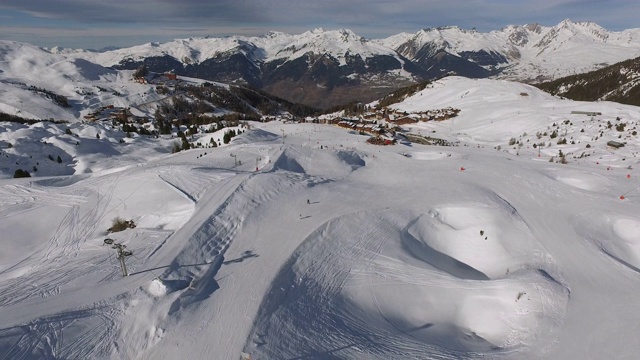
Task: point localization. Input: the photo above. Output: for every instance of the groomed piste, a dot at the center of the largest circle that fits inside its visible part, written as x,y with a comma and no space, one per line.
317,245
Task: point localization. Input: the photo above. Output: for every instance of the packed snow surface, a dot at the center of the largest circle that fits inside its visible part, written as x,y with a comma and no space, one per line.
319,245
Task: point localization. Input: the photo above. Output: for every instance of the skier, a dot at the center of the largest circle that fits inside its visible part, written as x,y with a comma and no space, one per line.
308,202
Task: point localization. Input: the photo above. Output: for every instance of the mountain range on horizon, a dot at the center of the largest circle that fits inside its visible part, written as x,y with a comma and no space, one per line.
324,68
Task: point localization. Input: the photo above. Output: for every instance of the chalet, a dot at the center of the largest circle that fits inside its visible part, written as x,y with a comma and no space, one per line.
615,144
588,113
345,124
374,129
372,116
382,140
170,76
404,120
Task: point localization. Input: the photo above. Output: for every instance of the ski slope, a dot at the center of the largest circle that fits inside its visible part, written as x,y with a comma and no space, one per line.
318,245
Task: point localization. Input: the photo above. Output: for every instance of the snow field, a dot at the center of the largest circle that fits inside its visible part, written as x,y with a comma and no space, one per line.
616,235
581,180
157,288
358,273
387,259
336,164
426,155
475,236
493,113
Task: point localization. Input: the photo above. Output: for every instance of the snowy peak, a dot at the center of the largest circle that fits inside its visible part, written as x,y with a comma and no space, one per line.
187,51
508,40
569,32
335,43
492,51
28,64
534,28
321,62
521,35
12,50
271,46
525,53
469,52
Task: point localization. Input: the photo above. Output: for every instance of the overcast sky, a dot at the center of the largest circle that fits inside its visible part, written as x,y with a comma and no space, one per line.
100,23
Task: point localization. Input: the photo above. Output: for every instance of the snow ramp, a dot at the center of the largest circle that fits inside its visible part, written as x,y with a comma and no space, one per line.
355,289
334,164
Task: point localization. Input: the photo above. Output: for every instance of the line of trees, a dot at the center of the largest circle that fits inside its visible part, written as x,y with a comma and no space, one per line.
58,99
21,120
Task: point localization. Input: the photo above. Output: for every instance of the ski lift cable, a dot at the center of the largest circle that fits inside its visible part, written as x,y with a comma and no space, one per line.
632,189
150,270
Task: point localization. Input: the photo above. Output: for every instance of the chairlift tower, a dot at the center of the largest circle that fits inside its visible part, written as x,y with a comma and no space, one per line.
122,254
235,160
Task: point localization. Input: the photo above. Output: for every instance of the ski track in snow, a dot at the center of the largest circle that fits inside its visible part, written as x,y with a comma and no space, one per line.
52,266
198,280
398,254
63,247
349,288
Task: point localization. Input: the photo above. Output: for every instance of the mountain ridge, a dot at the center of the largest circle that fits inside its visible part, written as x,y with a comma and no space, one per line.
323,68
619,82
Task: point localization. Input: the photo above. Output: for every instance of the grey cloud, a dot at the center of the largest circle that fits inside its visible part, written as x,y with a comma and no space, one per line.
140,11
333,13
372,18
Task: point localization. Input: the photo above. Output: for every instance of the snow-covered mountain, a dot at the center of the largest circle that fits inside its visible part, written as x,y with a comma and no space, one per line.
331,66
619,82
524,53
33,79
335,66
270,47
37,84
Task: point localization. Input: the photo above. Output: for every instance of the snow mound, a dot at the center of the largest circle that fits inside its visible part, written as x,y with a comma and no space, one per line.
255,136
351,158
470,241
371,295
157,288
461,318
616,235
15,251
158,203
580,179
428,155
287,161
91,71
329,163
